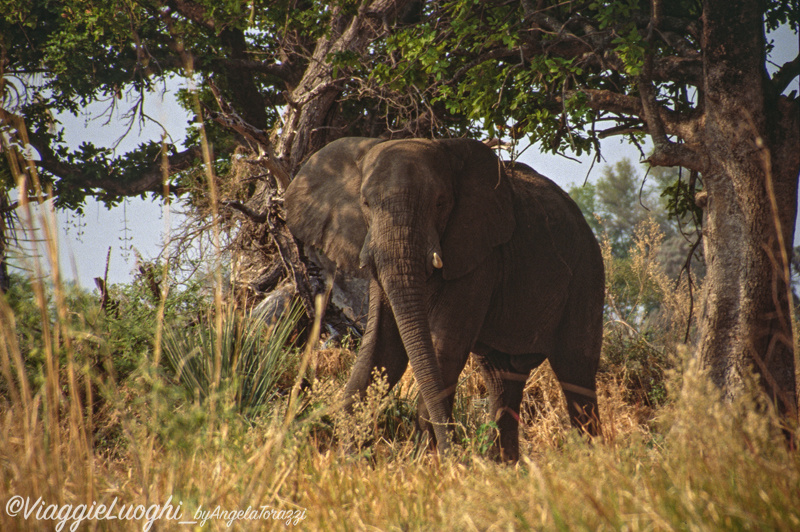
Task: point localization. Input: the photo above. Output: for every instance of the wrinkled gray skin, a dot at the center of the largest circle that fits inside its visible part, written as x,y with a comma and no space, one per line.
464,256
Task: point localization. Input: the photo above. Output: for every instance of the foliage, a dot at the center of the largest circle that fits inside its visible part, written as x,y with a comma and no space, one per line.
77,53
242,357
112,342
619,201
647,314
614,206
513,69
649,303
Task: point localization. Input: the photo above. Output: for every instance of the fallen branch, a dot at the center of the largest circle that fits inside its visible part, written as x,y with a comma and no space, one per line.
247,211
230,119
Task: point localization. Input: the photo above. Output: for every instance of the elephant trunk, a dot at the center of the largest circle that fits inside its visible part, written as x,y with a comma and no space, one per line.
402,271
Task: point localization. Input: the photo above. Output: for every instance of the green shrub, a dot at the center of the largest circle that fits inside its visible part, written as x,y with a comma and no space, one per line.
645,318
239,356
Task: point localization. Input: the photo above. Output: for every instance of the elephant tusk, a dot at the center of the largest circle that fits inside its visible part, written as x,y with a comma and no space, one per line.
437,261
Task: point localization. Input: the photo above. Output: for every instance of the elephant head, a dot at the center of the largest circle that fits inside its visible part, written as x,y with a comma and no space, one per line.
402,211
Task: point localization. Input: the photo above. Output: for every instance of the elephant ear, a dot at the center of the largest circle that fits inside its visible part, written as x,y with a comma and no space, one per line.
483,212
323,207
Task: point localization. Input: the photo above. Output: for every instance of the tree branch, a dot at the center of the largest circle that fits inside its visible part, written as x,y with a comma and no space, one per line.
284,71
229,118
149,180
691,156
646,90
678,69
621,129
290,255
247,211
666,153
784,76
194,12
686,125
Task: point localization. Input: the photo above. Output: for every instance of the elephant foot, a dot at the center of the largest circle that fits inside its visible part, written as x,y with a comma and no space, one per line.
583,411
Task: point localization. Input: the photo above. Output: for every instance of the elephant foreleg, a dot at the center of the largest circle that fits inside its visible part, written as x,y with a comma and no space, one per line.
423,418
382,348
457,312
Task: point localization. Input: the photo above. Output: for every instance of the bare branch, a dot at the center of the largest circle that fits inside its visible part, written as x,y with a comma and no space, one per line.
229,118
622,129
290,255
247,211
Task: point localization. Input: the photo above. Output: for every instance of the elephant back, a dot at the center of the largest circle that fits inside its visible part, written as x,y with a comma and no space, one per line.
544,204
552,249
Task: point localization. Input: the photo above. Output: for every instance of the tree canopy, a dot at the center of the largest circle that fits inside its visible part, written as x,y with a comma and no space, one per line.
563,74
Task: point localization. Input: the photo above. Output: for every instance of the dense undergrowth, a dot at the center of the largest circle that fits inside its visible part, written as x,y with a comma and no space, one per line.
185,402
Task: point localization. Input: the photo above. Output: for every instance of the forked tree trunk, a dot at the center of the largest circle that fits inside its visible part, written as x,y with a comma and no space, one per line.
313,100
309,115
753,151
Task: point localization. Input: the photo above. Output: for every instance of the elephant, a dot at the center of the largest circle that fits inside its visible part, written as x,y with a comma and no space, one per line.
464,255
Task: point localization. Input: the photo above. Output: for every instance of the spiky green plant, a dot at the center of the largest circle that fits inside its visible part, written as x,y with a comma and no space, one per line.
244,357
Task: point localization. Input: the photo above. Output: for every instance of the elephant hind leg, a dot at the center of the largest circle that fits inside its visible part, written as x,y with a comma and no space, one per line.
505,376
575,370
582,408
577,346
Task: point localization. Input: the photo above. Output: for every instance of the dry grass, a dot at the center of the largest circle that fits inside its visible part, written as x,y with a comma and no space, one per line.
698,465
689,464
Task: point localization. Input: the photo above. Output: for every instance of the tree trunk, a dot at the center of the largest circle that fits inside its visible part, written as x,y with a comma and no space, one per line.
752,170
311,102
310,111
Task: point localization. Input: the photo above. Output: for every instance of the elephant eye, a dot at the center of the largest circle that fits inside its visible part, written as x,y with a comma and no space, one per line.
440,202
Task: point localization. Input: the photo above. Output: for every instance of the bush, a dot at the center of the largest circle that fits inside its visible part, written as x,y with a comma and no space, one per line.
239,356
646,317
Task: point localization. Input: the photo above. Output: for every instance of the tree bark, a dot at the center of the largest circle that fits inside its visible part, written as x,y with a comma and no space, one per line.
311,102
751,141
5,280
